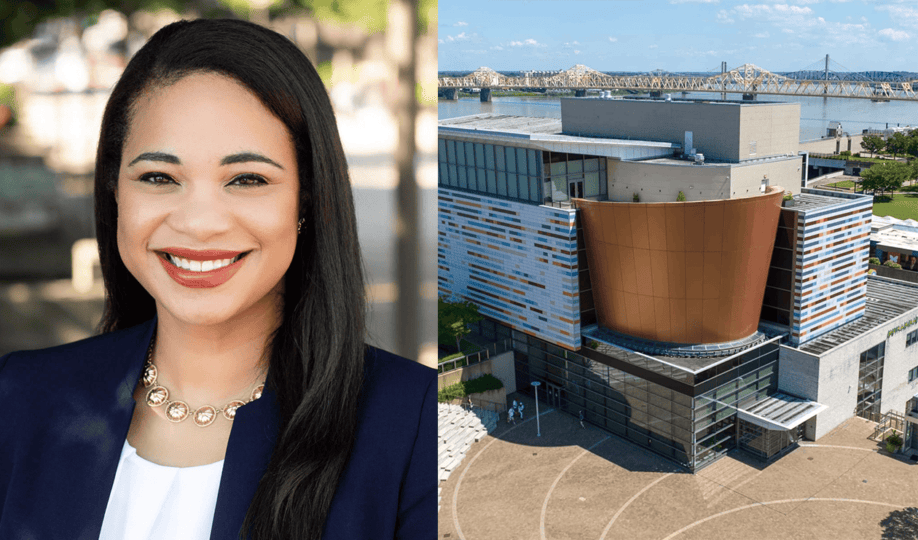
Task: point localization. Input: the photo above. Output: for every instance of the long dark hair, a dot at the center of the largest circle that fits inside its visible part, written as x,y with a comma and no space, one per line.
316,356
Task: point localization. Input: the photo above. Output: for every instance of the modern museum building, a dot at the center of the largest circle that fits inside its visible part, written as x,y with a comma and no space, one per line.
645,261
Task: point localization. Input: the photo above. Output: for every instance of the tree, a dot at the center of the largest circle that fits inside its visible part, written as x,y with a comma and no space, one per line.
897,143
873,143
901,524
453,319
885,177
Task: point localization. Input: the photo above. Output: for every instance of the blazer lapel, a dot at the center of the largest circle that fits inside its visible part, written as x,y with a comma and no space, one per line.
248,452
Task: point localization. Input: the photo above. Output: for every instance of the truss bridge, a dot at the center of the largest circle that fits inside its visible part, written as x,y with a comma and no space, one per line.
748,79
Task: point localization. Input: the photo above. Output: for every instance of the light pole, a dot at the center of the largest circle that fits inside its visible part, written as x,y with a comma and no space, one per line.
536,384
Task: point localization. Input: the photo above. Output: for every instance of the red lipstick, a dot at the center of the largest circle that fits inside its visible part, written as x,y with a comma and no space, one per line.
201,280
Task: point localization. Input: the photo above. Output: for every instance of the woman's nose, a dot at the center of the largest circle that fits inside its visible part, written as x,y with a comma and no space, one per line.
200,213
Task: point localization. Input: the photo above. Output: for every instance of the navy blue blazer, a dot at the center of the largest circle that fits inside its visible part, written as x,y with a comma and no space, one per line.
65,413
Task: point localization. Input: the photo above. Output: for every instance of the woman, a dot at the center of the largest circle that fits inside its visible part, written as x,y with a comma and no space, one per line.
230,394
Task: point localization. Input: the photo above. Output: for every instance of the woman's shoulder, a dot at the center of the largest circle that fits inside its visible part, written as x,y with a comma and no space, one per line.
89,361
396,379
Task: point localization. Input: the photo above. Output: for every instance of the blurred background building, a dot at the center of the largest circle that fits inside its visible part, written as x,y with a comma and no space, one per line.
58,62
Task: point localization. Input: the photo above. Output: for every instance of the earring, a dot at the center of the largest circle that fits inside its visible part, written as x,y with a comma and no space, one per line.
299,225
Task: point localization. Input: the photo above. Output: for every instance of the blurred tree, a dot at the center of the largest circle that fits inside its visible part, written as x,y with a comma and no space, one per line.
873,143
885,177
897,143
901,524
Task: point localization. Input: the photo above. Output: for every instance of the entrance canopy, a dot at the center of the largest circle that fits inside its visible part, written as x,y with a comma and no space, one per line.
780,411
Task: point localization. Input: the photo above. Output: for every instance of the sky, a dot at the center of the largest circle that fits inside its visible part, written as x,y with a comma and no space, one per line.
677,35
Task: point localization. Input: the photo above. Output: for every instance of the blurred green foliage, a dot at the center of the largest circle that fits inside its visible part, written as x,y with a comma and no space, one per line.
18,18
8,98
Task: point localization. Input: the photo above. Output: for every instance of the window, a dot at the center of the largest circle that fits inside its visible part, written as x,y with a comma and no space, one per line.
911,338
913,374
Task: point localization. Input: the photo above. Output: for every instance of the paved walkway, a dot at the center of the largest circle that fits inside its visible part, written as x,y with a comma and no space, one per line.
574,483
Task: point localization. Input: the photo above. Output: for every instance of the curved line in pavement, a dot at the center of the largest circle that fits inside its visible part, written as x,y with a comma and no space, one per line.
466,469
555,483
631,500
700,521
839,447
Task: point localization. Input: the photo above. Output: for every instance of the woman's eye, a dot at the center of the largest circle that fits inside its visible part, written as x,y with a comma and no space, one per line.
156,178
247,180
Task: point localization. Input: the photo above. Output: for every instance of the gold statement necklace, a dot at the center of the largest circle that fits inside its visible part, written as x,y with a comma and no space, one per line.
177,411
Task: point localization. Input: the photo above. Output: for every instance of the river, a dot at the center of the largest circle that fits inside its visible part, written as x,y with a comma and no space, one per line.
855,115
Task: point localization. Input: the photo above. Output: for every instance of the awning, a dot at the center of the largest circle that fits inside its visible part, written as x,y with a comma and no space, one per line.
780,411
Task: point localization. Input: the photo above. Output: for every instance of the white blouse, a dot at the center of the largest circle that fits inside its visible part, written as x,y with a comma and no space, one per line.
155,502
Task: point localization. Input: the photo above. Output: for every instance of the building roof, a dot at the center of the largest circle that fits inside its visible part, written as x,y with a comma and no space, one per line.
896,237
811,199
780,411
886,300
545,134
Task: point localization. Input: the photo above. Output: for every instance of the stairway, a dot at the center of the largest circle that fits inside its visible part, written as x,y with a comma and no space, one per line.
457,429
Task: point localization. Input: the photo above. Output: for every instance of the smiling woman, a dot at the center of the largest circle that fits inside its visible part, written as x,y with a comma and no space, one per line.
234,298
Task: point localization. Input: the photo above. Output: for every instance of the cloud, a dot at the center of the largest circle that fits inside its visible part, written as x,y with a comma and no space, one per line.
461,23
904,15
694,1
462,36
780,13
654,46
894,35
762,35
497,48
526,43
613,39
440,41
576,52
724,17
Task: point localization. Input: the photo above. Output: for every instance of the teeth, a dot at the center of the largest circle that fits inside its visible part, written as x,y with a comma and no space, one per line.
201,266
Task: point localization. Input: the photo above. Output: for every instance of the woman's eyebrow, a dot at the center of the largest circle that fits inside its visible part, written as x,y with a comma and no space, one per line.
244,157
156,156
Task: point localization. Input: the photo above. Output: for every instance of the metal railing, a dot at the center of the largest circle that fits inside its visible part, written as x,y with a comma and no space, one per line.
485,353
891,421
486,404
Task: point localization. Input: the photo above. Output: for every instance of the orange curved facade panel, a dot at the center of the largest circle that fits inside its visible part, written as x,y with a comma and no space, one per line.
681,272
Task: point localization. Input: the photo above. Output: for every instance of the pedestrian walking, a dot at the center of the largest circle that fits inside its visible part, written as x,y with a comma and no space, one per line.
581,420
510,419
514,404
470,403
521,410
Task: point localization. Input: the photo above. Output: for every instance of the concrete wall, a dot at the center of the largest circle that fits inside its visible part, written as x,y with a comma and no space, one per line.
769,130
746,178
662,181
838,374
833,145
895,273
899,360
503,368
720,131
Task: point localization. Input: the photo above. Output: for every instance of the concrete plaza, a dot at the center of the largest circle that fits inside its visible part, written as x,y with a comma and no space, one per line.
575,483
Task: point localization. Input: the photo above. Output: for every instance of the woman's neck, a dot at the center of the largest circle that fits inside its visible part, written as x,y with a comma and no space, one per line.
212,364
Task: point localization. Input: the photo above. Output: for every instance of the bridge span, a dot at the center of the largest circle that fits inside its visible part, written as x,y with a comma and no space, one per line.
748,79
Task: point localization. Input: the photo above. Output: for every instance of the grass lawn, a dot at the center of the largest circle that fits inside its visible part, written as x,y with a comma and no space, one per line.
901,207
846,184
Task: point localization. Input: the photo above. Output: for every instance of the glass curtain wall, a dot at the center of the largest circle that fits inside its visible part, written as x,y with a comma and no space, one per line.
754,378
870,382
767,444
501,171
574,175
691,431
